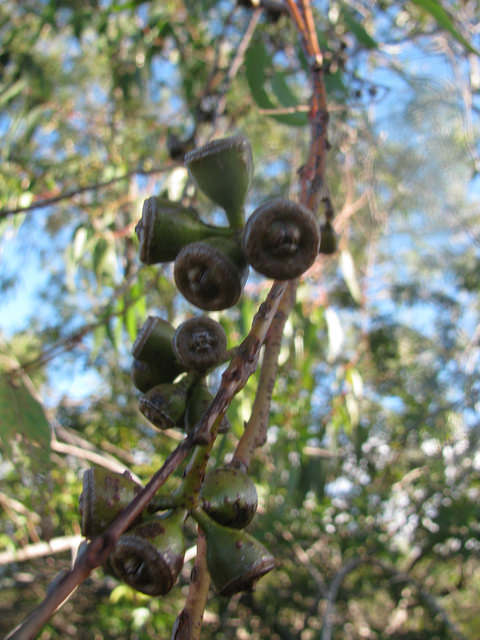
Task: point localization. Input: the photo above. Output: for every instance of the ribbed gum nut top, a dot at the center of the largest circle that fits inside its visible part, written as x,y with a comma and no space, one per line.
281,239
200,343
223,170
211,274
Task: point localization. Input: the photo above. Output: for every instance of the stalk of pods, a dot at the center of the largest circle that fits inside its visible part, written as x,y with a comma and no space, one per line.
280,240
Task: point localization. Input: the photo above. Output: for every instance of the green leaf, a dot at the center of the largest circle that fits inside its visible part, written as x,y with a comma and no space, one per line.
357,29
12,91
287,98
131,322
335,334
435,9
20,411
347,267
99,335
99,254
257,63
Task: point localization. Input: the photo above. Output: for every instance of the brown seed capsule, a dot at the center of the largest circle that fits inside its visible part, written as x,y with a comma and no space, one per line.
281,239
200,343
211,274
150,556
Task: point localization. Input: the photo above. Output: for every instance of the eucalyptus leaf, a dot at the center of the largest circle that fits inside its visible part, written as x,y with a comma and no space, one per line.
20,411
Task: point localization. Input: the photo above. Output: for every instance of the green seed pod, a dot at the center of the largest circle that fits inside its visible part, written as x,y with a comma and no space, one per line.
165,227
105,494
235,559
223,171
146,375
328,239
200,343
198,402
229,497
153,347
164,405
281,239
150,556
211,274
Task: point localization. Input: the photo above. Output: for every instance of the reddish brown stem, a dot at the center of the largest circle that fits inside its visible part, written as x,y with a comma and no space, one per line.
243,364
189,623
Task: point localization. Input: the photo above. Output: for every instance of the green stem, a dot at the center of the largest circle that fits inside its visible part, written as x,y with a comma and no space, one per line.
236,218
187,494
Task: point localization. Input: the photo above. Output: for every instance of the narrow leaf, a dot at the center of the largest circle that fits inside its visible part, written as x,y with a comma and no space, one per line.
348,270
357,29
435,9
20,411
335,334
256,62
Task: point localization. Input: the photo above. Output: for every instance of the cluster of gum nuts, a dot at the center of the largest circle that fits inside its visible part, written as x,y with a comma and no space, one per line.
280,240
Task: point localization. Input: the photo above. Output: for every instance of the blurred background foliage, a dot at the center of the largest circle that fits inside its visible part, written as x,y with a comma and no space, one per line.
369,482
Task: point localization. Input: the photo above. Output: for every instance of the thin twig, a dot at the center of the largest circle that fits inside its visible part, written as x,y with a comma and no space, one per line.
189,622
243,363
107,462
39,549
66,195
235,66
335,584
255,432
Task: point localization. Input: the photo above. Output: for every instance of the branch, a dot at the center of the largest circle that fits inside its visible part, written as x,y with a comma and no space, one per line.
69,342
332,593
428,598
255,432
46,202
188,625
243,364
108,462
235,65
39,549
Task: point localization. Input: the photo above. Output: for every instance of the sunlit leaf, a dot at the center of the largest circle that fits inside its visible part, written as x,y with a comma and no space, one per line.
335,334
435,9
20,411
348,271
358,30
